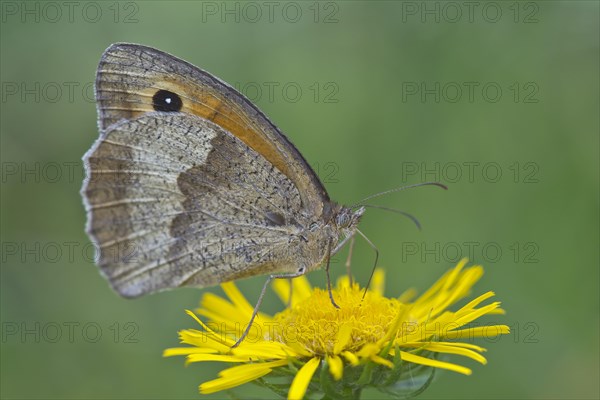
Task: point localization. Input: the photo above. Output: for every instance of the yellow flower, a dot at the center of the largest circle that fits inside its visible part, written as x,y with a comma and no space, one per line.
371,340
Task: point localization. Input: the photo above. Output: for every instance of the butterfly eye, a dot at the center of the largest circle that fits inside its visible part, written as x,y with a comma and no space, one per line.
343,220
163,100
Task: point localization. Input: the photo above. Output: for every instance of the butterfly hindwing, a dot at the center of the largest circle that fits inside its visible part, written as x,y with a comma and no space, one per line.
175,200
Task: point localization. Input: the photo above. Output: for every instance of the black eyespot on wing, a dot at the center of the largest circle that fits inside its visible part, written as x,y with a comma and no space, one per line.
163,100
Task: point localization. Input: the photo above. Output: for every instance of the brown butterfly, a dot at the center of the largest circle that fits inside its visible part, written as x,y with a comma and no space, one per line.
189,183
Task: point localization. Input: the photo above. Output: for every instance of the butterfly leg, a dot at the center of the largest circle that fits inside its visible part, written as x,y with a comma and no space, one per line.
289,302
349,260
374,264
300,272
328,278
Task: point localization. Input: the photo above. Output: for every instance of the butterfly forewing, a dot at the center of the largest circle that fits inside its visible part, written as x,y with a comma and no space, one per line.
131,79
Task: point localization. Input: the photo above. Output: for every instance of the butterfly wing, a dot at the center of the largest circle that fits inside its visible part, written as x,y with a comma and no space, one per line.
131,76
175,200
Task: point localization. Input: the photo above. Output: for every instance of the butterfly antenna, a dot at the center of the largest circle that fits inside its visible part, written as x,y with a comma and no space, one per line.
374,264
394,210
398,189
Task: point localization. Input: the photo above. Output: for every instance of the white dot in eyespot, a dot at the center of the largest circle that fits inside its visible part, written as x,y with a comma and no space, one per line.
168,100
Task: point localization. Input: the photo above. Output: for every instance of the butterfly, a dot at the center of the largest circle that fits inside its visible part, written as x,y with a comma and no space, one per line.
190,184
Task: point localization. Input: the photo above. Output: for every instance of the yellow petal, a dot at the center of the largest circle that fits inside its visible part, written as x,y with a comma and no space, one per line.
237,298
378,281
216,357
282,288
382,361
395,326
442,284
368,350
475,302
244,368
407,296
449,349
231,323
229,381
461,286
473,315
217,308
489,331
351,357
469,346
343,336
299,349
302,379
264,350
336,367
300,289
343,282
452,277
206,340
184,351
226,342
413,358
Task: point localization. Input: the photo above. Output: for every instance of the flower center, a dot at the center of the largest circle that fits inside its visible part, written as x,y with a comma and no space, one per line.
315,324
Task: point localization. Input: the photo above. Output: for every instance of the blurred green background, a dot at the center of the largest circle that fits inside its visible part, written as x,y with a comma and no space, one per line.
498,100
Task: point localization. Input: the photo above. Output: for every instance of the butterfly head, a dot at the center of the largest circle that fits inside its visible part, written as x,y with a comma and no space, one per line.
347,219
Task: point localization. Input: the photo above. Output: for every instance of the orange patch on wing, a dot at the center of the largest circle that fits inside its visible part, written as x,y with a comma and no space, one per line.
206,103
